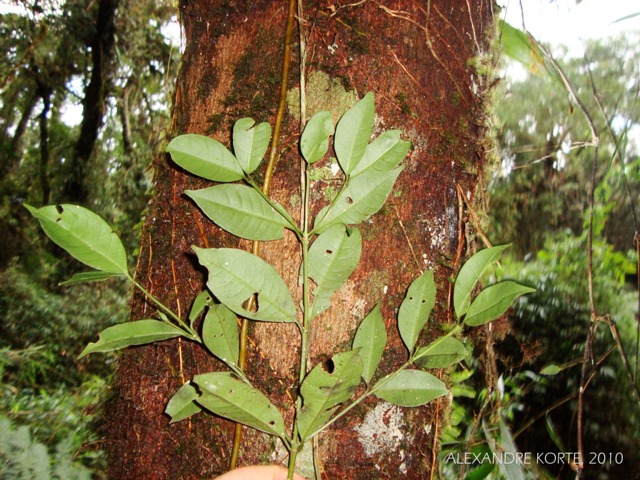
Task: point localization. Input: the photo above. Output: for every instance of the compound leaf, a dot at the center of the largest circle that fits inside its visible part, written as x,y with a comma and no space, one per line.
411,388
370,338
333,257
228,397
126,334
324,389
205,157
250,144
84,235
416,308
236,275
240,210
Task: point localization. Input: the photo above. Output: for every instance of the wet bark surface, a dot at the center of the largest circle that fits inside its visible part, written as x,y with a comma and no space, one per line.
418,64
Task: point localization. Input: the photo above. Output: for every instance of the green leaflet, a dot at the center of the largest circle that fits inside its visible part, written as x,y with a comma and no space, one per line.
224,395
236,275
250,144
182,405
353,133
482,472
524,49
84,235
240,210
323,391
551,369
205,157
411,388
493,301
370,338
200,304
126,334
314,140
416,308
384,153
501,445
333,257
220,334
364,195
441,353
84,277
469,275
553,433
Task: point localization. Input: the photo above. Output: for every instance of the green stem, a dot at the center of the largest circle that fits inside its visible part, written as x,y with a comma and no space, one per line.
306,300
293,454
192,334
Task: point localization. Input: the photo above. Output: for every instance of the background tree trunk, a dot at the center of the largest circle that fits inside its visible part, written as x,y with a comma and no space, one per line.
417,59
94,103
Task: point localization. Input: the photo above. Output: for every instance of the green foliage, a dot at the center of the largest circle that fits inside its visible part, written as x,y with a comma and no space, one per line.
470,274
524,49
555,319
23,458
543,180
57,419
220,334
333,257
47,56
52,327
250,143
411,388
493,302
416,308
324,389
441,353
139,332
221,393
370,340
236,275
67,225
541,361
353,134
183,403
205,157
330,253
240,210
314,141
364,195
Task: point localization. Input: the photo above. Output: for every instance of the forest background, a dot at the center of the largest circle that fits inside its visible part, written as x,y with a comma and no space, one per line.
121,64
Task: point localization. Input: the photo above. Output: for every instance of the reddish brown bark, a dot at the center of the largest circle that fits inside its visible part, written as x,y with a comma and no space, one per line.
417,62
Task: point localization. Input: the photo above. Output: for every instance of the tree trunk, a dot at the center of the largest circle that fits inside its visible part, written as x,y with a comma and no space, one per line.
417,59
93,105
